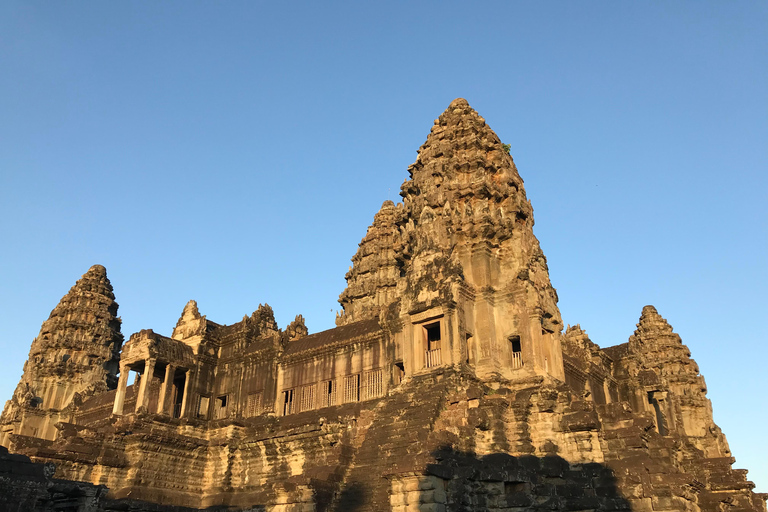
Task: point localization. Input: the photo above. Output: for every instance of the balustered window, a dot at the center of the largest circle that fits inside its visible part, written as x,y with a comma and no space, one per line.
220,407
432,342
307,398
352,388
329,393
288,402
517,351
203,403
373,384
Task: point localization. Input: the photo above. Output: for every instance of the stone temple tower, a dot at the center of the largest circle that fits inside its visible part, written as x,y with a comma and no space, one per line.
76,355
456,267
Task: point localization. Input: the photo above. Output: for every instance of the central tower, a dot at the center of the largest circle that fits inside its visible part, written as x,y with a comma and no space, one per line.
455,271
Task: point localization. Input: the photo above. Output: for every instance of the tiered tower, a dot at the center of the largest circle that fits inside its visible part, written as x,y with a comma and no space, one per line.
76,355
456,267
671,385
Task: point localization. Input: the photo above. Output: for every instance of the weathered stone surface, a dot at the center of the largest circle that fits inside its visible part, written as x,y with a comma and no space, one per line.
76,355
447,385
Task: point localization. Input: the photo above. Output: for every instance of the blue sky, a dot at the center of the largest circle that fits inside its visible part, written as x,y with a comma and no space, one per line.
234,153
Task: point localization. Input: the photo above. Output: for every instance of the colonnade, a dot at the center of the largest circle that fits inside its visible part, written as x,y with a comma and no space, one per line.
164,404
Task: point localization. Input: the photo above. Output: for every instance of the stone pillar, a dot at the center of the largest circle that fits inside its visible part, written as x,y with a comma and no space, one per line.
122,382
142,399
165,390
187,375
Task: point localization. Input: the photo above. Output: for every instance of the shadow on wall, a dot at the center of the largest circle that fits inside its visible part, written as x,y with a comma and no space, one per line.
353,498
453,481
461,481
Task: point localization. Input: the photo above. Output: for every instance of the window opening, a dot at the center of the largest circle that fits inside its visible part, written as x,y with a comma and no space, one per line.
373,384
329,393
221,407
661,421
432,342
178,395
517,351
287,402
202,406
469,345
306,398
352,388
399,372
433,335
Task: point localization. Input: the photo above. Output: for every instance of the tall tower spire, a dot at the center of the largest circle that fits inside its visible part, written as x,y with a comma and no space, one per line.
461,247
77,353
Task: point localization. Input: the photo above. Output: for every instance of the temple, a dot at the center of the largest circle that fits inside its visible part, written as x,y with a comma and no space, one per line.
448,384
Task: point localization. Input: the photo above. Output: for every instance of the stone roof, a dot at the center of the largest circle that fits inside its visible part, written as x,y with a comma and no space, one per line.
147,344
616,352
338,335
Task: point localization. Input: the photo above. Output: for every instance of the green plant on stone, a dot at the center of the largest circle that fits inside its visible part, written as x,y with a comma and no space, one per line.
506,147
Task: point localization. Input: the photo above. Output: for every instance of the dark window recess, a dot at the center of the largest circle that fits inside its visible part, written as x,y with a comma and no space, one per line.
517,351
178,395
287,402
433,334
399,373
661,421
221,407
432,345
329,389
468,345
202,407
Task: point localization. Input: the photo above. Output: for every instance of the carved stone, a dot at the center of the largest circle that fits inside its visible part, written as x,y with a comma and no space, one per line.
448,383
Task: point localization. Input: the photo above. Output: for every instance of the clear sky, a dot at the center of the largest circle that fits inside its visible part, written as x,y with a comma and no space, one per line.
235,152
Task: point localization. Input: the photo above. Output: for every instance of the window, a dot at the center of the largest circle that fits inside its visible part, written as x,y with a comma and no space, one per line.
352,388
373,384
287,402
399,373
517,351
328,389
470,347
178,394
431,334
306,398
253,405
656,399
432,345
220,409
203,402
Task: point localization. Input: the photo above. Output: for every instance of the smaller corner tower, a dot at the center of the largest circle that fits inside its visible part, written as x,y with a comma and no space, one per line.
76,354
669,385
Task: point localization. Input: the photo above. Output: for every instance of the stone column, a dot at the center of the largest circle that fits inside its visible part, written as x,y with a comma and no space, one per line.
142,399
187,375
122,382
165,390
